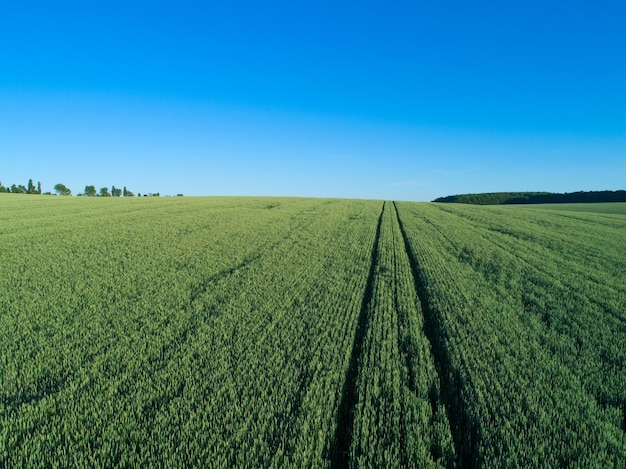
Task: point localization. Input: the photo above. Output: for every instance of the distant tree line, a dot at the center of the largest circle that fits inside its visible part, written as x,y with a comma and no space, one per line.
498,198
20,189
62,189
90,191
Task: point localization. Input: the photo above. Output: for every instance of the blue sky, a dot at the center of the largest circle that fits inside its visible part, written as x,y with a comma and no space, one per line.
392,100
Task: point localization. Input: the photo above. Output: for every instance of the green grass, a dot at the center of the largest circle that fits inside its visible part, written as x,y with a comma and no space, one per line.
286,332
618,208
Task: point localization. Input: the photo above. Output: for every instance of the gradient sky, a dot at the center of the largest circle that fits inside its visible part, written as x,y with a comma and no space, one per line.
394,100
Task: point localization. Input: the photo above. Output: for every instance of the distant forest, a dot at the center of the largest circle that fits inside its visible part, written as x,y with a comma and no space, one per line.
498,198
62,189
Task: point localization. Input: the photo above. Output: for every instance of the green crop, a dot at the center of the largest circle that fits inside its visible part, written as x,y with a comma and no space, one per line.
280,332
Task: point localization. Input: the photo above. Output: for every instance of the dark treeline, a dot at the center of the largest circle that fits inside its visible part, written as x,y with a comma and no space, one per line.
21,189
90,191
62,189
497,198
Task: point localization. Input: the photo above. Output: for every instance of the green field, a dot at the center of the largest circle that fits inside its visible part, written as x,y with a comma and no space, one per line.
610,208
284,332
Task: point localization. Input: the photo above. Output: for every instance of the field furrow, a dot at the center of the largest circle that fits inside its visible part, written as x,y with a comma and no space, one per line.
399,419
349,395
520,405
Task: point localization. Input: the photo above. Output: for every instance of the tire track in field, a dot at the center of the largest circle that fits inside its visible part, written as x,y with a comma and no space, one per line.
402,319
407,344
342,440
463,435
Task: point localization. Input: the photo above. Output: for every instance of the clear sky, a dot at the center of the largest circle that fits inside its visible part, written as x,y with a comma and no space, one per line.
397,100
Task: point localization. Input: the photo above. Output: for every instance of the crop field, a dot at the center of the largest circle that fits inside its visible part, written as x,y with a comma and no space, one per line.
613,207
285,332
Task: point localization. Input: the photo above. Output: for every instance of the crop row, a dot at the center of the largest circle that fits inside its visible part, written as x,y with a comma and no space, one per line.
399,419
525,343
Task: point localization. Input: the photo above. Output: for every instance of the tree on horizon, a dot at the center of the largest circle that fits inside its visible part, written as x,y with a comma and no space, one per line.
62,189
